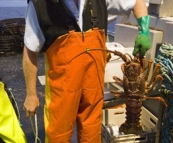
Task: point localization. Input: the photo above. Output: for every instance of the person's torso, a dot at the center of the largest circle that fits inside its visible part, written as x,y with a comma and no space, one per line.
55,18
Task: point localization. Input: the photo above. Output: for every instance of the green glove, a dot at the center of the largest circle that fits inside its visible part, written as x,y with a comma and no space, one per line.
143,40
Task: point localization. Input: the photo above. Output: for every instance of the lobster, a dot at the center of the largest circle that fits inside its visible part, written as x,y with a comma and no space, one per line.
135,87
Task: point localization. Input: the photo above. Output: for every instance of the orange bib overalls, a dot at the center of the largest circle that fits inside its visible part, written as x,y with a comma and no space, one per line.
74,87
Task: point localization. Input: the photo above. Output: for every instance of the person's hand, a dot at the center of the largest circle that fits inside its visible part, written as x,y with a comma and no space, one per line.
142,45
30,105
143,40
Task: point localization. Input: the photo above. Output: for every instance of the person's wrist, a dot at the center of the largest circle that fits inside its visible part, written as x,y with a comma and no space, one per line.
144,24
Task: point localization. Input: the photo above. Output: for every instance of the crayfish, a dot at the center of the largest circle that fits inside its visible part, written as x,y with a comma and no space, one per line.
135,87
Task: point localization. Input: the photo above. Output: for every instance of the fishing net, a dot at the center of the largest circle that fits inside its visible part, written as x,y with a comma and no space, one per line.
165,58
11,35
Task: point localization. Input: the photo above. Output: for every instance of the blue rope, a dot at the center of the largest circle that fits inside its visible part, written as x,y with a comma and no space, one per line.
165,58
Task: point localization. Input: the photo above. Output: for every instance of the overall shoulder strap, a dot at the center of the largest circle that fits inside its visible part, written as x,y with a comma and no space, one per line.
94,18
67,16
91,7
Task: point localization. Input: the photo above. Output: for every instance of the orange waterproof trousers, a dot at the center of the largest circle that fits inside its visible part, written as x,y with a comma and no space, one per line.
74,87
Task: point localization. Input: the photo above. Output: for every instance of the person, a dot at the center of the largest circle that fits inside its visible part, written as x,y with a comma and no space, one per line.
72,37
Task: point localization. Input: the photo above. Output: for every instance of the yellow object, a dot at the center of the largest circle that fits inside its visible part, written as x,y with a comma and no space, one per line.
10,130
108,56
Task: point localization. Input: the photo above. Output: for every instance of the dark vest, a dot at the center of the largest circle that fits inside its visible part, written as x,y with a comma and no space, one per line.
55,19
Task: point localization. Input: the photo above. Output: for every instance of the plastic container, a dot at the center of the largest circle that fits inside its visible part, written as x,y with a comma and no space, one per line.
148,122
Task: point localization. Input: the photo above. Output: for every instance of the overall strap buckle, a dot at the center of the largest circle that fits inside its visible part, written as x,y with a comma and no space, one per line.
94,18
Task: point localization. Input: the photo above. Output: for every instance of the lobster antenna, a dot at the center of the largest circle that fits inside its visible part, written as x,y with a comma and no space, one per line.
129,55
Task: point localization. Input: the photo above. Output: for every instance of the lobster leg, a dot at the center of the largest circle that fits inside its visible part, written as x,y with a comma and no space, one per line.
155,72
158,78
153,83
117,93
155,98
148,68
118,80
